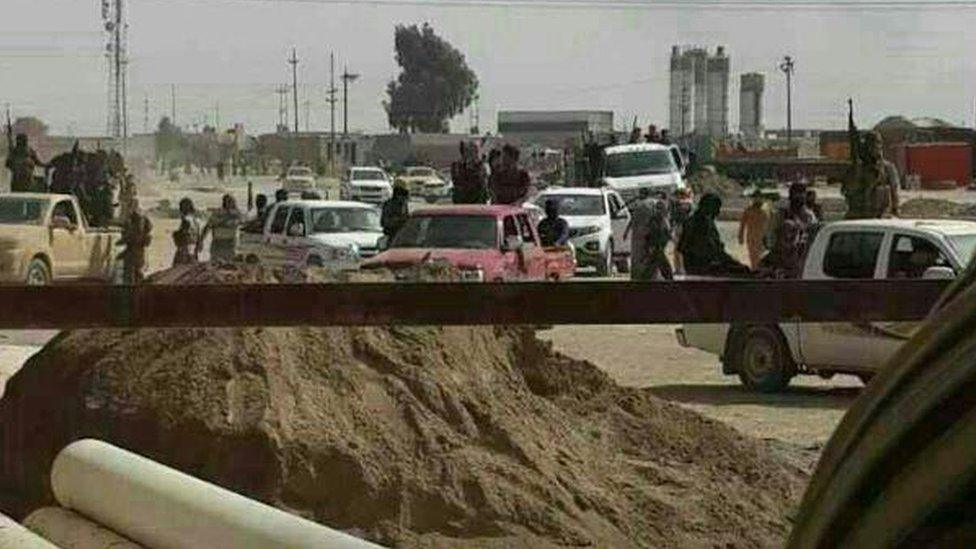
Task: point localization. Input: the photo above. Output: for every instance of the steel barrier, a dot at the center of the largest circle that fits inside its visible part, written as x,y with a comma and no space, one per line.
690,301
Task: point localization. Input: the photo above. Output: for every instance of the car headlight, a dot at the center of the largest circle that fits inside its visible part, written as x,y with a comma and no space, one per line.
583,231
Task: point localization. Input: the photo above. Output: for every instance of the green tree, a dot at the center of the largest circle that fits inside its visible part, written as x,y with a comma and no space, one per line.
435,82
169,142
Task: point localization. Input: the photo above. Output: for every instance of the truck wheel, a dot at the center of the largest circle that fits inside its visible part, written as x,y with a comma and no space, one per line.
605,268
865,378
38,273
252,259
763,362
315,261
623,265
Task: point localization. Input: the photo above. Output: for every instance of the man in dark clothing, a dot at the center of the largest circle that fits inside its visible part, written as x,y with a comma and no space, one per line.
21,162
701,245
395,212
510,184
281,195
553,230
652,135
650,233
469,176
136,237
665,139
261,207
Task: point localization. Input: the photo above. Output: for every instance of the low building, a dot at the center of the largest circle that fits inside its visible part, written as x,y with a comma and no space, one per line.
559,129
317,150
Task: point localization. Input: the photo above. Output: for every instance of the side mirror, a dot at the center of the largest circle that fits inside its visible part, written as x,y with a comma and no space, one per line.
383,243
511,244
298,229
61,222
939,273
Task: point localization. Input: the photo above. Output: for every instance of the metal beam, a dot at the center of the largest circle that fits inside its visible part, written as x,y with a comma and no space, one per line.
465,304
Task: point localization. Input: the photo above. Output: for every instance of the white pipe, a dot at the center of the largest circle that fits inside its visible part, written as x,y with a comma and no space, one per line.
66,528
160,507
15,536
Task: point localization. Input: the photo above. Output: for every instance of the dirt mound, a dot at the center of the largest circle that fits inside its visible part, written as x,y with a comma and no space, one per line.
935,208
707,181
428,436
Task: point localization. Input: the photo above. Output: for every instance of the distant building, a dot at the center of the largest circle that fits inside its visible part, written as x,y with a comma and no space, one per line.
751,87
699,96
552,128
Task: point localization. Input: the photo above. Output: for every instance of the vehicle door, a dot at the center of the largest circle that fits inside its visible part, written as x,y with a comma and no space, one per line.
512,264
533,255
297,244
679,162
69,254
619,219
849,255
908,257
275,237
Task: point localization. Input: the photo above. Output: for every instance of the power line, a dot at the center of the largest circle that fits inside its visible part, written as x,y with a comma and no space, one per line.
778,5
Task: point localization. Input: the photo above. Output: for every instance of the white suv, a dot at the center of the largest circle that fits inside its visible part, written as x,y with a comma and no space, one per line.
364,184
597,221
629,168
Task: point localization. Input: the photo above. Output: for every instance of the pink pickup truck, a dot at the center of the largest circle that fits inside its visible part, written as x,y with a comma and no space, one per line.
487,243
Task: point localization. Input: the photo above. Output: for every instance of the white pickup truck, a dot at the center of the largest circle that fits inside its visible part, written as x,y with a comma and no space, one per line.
767,356
44,238
314,233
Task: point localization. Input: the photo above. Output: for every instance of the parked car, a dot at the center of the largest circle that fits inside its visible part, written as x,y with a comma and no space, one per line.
487,243
767,356
366,184
313,232
597,221
299,179
629,168
424,182
44,238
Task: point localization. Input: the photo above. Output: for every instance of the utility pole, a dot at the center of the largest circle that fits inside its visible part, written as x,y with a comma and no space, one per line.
294,82
347,77
172,106
787,67
145,114
217,116
331,99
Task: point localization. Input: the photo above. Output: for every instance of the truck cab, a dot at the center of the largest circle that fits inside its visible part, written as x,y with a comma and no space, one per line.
313,233
629,168
766,357
486,243
45,238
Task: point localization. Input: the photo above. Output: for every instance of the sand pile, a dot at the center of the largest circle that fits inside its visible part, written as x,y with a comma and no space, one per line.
708,181
424,436
934,208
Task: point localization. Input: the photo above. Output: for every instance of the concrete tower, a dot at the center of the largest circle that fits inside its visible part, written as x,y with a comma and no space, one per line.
751,88
699,96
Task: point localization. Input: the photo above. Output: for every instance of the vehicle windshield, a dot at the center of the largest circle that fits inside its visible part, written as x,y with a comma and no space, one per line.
628,164
368,175
300,172
420,172
344,220
572,205
965,246
21,211
448,231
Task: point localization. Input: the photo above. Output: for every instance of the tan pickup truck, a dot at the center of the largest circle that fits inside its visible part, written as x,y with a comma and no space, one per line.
45,238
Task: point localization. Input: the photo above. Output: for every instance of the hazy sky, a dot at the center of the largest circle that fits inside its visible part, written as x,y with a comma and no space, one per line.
917,62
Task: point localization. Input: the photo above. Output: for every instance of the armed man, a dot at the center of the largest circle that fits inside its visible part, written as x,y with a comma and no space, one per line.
21,161
871,186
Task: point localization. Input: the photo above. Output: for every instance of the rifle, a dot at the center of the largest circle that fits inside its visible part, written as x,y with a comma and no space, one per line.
852,134
10,133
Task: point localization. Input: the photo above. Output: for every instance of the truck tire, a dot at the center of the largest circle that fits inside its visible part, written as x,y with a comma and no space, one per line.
315,261
898,471
605,267
623,265
763,360
38,273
